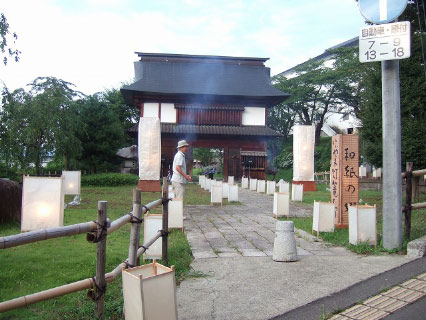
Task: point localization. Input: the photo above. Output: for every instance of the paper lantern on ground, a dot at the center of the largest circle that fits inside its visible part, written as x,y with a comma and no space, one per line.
362,224
42,203
362,172
270,187
377,173
244,183
297,192
284,186
151,224
230,180
303,156
281,204
175,214
207,184
202,181
149,149
323,217
233,193
225,190
72,182
253,184
261,186
216,194
149,292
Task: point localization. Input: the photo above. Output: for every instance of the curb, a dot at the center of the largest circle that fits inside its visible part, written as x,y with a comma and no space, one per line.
417,248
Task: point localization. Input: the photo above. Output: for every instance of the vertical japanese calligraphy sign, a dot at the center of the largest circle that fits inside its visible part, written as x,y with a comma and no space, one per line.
344,176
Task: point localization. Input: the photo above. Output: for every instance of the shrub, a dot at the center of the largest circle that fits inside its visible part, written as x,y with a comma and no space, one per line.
109,179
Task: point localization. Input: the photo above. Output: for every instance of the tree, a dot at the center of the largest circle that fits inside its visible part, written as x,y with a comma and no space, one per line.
101,134
4,35
204,155
39,123
318,88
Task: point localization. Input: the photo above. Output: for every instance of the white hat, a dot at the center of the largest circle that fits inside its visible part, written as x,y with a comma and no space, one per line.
182,143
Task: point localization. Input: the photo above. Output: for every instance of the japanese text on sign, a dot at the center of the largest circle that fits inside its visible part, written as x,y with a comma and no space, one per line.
344,176
384,42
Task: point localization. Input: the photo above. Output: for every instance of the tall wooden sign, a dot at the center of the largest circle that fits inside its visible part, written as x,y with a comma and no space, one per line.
344,176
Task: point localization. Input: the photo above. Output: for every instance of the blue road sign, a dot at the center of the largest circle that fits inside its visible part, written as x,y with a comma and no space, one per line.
381,11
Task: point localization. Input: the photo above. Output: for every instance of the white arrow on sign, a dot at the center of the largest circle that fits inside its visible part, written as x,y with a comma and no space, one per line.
383,10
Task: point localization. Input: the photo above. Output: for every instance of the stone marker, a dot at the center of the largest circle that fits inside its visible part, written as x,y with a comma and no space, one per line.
285,242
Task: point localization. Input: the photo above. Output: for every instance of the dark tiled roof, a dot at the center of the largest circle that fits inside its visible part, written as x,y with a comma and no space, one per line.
216,80
172,128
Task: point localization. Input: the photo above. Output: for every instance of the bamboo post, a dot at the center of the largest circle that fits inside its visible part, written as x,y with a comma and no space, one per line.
136,227
100,283
408,189
165,220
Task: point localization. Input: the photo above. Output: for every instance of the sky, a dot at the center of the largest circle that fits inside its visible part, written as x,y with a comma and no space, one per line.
92,43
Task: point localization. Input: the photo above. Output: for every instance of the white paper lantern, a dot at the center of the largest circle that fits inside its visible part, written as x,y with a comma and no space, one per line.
200,177
202,181
175,214
297,192
261,186
270,187
233,193
323,217
151,224
230,180
72,182
253,184
244,183
207,184
283,186
362,224
225,191
42,203
149,148
149,292
377,173
362,172
303,153
216,194
281,204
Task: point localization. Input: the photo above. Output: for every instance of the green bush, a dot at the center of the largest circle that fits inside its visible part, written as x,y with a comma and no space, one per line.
10,173
109,179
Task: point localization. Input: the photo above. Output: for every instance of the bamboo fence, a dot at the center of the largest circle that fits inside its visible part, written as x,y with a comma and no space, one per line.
97,232
412,179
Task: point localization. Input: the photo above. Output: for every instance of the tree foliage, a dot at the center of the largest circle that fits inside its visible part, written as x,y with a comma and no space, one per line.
5,34
38,122
102,133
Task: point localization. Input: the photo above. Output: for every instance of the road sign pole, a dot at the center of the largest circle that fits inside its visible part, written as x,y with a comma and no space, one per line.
392,181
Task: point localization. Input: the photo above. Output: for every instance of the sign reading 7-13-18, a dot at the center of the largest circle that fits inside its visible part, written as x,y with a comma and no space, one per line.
381,42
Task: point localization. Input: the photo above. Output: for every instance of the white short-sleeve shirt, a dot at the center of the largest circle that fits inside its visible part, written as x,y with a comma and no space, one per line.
180,161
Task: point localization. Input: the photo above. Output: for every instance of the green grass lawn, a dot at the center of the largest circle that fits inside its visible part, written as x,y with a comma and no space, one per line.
46,264
341,237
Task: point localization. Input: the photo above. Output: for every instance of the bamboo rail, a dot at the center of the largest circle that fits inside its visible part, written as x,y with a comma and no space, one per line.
45,234
71,287
96,284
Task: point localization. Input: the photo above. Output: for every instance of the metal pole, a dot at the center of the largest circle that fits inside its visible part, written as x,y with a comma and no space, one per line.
392,183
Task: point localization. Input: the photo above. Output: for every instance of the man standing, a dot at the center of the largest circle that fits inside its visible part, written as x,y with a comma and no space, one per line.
180,178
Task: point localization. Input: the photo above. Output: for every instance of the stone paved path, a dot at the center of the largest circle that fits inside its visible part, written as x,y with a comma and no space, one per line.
243,230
